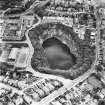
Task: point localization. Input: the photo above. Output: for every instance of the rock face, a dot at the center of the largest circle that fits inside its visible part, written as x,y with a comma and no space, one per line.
58,54
58,49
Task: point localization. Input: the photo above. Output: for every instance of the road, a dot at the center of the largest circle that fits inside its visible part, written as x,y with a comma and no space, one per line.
68,84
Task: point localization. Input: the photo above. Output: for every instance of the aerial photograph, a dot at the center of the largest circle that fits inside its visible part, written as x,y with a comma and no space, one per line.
52,52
